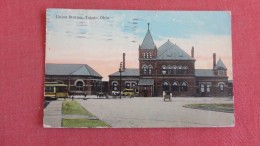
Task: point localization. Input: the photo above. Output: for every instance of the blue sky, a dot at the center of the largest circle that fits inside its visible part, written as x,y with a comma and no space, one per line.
94,41
180,24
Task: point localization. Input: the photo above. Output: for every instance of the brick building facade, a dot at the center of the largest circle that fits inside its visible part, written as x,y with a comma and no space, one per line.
170,69
78,77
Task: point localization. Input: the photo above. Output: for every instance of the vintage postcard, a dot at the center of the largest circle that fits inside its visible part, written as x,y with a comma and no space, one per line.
138,69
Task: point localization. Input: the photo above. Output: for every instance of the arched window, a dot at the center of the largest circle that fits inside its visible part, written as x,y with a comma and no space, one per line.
114,86
144,55
179,71
166,86
174,69
144,69
79,85
221,87
175,86
169,69
150,67
133,84
185,69
184,86
150,55
163,69
127,85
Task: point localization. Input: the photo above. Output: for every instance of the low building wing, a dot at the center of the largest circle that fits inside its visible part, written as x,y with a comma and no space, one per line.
71,69
127,72
204,73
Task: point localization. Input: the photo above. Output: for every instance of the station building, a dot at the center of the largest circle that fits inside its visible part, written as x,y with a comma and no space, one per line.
169,68
78,77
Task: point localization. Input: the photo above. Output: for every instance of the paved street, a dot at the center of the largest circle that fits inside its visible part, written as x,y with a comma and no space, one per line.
154,112
146,112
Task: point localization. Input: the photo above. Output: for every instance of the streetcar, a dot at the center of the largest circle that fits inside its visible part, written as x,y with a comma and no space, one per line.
55,90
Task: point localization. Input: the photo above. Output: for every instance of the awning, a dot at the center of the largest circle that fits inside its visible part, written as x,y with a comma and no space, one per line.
143,82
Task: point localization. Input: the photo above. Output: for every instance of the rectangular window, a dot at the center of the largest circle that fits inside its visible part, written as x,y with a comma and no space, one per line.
208,88
202,89
49,89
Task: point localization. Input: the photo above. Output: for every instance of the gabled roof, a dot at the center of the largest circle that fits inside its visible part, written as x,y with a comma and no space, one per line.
170,51
143,82
127,72
148,42
70,69
204,73
220,64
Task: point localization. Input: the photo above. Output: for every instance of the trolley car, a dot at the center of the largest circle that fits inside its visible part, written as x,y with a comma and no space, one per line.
54,90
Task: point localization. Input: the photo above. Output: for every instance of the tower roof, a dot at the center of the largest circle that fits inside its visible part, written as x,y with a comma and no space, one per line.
220,64
148,42
170,51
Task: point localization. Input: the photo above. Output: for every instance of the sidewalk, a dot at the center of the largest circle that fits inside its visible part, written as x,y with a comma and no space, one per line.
52,114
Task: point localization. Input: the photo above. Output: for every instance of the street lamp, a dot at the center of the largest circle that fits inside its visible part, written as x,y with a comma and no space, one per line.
120,79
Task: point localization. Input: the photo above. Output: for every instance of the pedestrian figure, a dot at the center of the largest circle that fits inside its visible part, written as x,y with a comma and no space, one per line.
167,96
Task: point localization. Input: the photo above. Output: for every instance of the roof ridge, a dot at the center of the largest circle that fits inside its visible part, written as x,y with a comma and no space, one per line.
165,50
92,70
179,53
76,69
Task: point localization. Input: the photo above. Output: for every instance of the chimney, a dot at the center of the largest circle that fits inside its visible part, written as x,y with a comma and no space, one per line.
214,60
192,52
123,61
